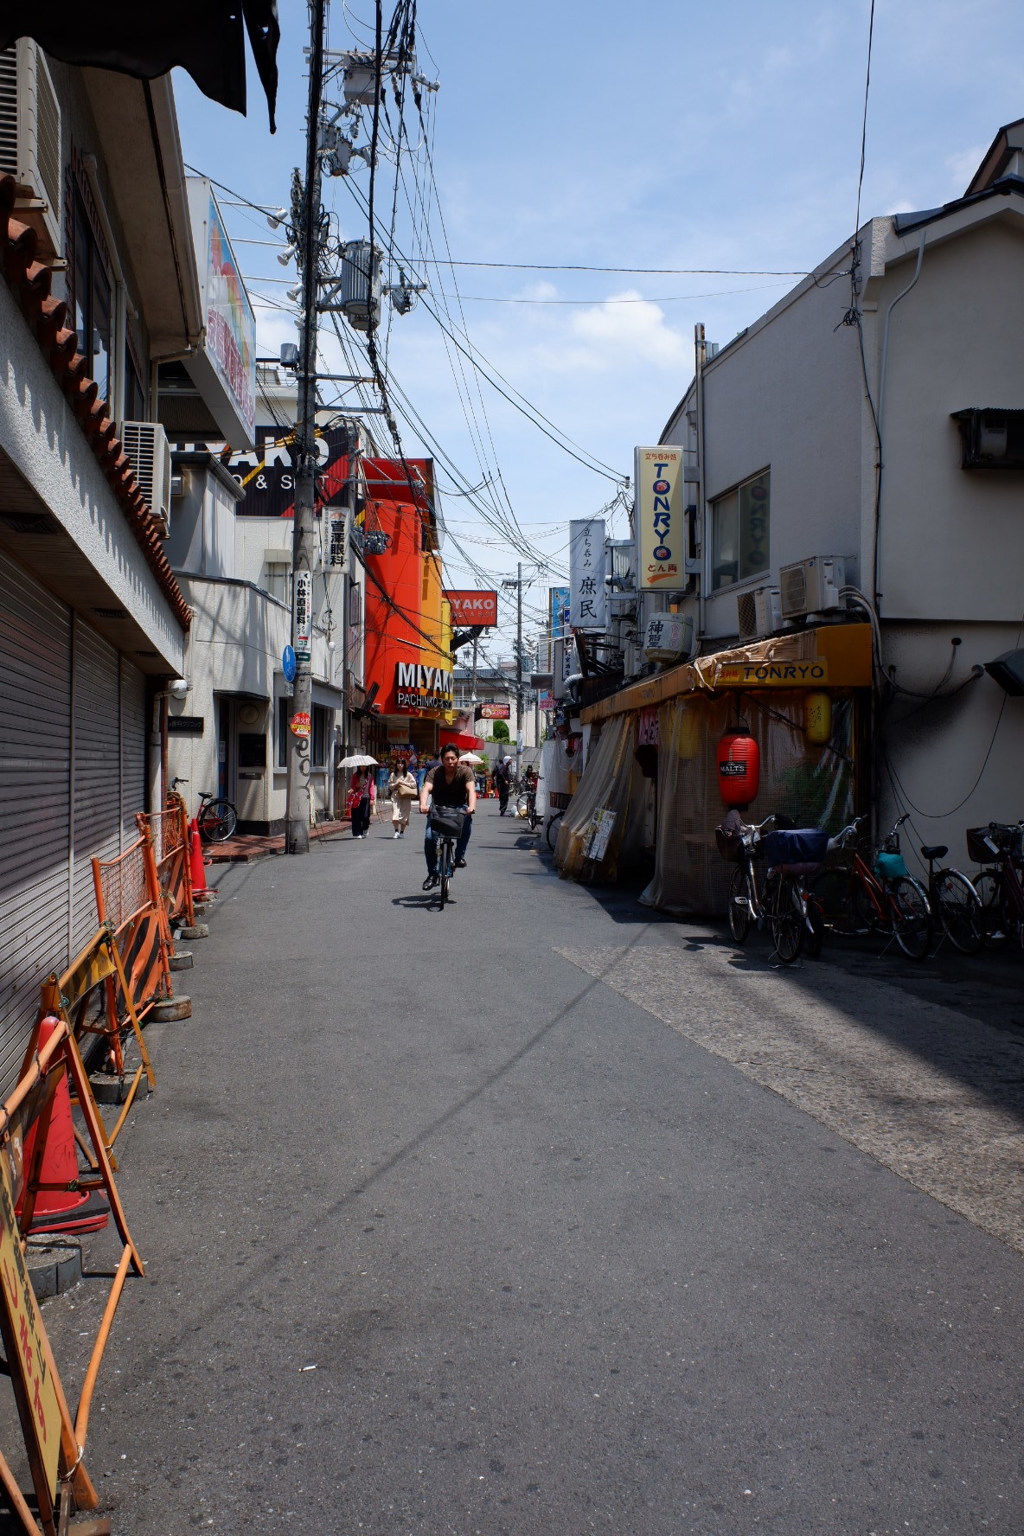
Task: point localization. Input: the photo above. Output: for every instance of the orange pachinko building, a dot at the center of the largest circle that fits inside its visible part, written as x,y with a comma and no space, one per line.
407,655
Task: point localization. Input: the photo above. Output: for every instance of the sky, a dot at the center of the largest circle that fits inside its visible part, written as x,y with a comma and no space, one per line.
719,144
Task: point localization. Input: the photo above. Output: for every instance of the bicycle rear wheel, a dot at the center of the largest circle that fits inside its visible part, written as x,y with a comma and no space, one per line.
787,920
551,830
909,914
740,915
217,821
959,911
830,896
447,860
996,924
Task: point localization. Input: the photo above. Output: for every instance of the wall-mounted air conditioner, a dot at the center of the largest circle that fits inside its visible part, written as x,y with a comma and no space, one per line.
767,610
145,443
811,586
668,637
30,142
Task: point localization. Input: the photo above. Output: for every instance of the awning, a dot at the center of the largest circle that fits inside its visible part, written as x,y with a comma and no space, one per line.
834,656
463,742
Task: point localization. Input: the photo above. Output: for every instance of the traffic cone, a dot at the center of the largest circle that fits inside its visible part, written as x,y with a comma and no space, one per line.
60,1206
196,866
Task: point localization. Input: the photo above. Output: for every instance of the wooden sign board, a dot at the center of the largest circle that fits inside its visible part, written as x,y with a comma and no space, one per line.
28,1360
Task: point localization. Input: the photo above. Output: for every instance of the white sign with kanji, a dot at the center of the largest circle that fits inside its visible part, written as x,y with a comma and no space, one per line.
588,595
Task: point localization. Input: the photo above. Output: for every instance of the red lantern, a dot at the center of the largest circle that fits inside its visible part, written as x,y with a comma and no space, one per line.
739,768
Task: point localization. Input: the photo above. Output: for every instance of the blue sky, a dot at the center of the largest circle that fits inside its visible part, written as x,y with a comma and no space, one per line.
722,137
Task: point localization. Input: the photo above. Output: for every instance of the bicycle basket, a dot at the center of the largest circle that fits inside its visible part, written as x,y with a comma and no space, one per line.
446,820
987,844
558,799
729,844
890,866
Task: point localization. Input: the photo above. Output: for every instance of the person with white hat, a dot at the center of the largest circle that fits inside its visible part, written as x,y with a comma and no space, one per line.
503,779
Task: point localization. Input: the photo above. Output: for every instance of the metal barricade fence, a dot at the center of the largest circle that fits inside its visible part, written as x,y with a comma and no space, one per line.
128,897
170,833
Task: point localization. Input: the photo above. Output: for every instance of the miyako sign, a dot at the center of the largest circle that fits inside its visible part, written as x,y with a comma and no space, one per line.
418,687
474,608
660,523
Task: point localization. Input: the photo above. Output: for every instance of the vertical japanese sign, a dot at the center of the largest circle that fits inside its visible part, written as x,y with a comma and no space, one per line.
660,521
588,598
303,614
558,620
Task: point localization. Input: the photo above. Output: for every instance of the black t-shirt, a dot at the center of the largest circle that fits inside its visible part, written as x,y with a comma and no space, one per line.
455,793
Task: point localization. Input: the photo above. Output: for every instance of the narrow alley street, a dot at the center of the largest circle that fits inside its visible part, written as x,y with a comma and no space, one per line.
545,1214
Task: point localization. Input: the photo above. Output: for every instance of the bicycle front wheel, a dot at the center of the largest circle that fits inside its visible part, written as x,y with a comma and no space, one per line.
995,922
522,805
787,920
739,906
551,830
909,914
959,911
217,821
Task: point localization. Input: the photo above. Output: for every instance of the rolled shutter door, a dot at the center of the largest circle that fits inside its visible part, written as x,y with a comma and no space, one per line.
35,744
96,773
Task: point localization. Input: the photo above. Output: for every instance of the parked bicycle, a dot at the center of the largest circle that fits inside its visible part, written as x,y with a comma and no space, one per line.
217,818
881,897
778,899
526,807
954,901
1000,890
558,804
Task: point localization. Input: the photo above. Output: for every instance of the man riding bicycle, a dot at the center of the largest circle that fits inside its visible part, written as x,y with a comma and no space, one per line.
451,783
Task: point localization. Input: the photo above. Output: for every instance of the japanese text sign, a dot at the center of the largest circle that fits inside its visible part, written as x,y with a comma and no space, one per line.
588,595
660,522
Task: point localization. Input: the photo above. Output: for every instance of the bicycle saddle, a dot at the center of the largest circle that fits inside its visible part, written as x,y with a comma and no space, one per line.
938,852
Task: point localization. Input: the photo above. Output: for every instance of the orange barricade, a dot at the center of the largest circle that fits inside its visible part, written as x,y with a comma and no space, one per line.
54,1441
87,997
128,898
170,833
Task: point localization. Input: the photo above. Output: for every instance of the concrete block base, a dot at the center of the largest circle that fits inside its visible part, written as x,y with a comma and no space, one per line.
54,1264
181,961
196,931
170,1010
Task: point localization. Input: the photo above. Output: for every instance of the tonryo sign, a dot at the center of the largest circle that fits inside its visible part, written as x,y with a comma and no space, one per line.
660,523
588,595
474,608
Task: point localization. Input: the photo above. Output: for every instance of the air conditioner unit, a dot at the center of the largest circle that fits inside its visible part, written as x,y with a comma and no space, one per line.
767,610
30,140
746,616
811,586
145,443
668,637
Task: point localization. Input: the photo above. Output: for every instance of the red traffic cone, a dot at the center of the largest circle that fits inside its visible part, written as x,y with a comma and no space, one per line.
60,1206
197,868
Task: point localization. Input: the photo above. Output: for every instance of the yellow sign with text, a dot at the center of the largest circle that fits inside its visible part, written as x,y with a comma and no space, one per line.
22,1328
773,674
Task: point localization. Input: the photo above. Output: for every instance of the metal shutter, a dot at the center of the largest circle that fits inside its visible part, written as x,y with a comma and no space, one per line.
133,750
96,773
35,670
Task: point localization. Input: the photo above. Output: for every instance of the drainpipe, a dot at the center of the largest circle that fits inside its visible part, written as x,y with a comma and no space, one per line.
700,358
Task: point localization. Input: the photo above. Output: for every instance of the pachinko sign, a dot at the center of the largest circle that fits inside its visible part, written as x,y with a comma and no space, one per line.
660,523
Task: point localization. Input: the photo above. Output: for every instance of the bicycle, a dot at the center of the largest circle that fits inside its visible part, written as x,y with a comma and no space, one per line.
884,899
778,903
1000,891
526,807
448,827
217,818
558,802
953,897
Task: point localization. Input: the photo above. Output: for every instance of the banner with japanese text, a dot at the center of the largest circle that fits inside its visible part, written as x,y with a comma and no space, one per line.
588,595
660,520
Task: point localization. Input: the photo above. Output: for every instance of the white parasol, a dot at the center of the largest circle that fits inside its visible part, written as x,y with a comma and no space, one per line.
470,757
359,760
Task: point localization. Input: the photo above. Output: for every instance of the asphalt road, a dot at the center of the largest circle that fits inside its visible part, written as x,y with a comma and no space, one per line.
545,1216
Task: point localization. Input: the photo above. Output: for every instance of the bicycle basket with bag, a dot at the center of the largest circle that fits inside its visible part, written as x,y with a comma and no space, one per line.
729,844
799,850
446,820
987,844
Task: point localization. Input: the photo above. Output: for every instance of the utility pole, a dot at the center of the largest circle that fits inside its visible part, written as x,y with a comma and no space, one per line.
306,219
519,670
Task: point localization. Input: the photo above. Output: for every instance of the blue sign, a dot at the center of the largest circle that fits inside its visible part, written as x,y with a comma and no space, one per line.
289,665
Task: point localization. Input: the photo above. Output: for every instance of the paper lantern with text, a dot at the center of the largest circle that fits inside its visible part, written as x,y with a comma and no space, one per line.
818,718
739,768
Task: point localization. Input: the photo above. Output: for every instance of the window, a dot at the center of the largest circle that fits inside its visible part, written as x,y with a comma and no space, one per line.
739,531
93,308
321,736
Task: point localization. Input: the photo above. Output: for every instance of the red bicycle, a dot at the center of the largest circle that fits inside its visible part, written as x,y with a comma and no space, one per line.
877,898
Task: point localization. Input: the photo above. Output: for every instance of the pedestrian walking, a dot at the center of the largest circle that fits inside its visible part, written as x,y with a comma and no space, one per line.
402,791
503,779
361,796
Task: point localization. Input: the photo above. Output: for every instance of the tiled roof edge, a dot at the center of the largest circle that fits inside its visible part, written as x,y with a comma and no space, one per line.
29,282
